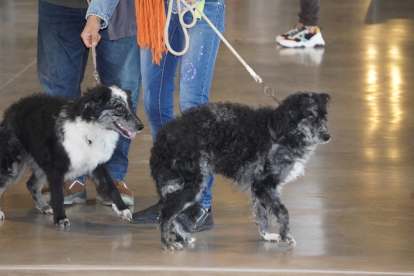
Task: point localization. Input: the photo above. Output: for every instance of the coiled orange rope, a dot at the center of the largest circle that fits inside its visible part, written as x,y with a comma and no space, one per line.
151,22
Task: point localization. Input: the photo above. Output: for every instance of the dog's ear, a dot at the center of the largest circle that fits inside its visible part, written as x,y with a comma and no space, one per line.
325,98
87,110
129,96
87,106
281,121
98,94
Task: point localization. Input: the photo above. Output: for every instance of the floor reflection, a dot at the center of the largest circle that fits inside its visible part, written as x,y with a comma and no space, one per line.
308,57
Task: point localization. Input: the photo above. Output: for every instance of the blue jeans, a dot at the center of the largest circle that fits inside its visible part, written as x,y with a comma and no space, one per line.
196,73
62,59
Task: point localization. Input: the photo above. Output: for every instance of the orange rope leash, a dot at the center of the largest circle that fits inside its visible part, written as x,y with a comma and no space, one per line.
151,21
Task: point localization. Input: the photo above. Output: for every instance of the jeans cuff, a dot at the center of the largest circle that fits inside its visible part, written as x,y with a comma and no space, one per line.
205,204
117,176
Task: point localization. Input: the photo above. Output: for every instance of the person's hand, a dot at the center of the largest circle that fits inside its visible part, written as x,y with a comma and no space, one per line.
190,1
90,34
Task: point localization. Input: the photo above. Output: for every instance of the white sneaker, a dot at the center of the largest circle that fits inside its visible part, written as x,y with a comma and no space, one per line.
303,39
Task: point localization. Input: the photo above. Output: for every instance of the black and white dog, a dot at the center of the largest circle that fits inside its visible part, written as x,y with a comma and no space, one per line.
260,149
61,140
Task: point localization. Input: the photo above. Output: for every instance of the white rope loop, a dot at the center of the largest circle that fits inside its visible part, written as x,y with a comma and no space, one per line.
190,8
184,26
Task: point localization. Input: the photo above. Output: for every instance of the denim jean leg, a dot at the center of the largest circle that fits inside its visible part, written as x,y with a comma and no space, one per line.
118,63
118,164
206,195
197,65
196,69
61,69
158,87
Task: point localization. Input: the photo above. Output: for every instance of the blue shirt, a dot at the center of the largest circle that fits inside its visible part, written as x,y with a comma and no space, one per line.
118,16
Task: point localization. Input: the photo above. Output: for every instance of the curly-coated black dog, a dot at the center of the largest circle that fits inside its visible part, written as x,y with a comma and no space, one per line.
260,149
61,140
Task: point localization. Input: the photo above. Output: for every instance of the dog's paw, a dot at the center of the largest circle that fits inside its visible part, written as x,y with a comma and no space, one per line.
2,216
63,223
46,210
173,246
125,214
271,237
188,240
289,240
191,240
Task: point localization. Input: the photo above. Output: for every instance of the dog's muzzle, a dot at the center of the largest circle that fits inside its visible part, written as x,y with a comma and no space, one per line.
326,137
129,133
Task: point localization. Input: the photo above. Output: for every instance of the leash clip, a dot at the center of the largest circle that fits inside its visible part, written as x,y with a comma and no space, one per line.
267,90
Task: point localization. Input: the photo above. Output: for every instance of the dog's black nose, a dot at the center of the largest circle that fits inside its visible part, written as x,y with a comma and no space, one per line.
326,137
140,127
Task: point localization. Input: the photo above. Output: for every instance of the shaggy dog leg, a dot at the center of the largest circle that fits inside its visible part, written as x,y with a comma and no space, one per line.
12,166
35,184
282,215
1,213
172,205
166,236
56,189
181,235
271,198
262,222
104,181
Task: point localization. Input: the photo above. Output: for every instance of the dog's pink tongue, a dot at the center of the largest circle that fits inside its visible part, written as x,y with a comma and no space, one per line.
132,135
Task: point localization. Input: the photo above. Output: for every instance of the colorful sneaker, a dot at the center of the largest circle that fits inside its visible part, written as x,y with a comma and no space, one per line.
126,194
292,32
303,39
148,215
73,191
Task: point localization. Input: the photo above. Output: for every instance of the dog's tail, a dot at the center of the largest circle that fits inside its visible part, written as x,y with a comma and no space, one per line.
188,217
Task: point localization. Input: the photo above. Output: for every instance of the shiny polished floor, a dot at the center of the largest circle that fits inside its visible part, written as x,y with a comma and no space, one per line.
351,214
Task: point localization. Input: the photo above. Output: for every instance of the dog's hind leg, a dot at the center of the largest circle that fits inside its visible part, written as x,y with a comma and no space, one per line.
1,213
35,184
172,204
181,235
184,223
10,173
100,176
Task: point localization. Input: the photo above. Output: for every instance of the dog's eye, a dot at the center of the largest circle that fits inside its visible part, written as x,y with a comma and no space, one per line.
119,108
310,118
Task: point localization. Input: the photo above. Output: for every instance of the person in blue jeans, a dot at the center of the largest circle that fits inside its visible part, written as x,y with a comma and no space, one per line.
195,76
62,58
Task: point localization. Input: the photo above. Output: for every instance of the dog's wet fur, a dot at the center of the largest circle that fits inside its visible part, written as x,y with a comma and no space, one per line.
260,149
61,139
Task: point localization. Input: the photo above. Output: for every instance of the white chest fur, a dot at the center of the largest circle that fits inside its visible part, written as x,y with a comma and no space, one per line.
87,145
298,168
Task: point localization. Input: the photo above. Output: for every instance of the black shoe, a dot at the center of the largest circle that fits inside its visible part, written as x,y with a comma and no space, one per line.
149,215
196,219
204,220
